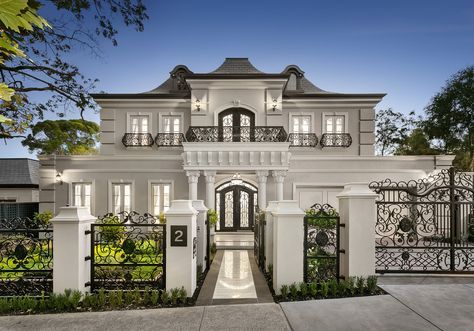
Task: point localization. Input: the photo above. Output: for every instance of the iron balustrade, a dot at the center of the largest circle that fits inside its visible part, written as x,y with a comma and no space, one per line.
169,139
336,140
303,140
137,140
236,134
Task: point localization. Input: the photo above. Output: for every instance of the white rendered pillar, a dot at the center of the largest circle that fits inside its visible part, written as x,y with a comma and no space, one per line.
357,210
269,233
288,236
279,177
262,188
71,245
193,177
180,260
201,232
210,189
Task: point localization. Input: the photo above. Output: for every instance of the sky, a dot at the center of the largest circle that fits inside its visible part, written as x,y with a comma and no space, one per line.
407,49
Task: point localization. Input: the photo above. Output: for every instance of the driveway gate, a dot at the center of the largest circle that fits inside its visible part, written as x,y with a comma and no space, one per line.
426,225
128,252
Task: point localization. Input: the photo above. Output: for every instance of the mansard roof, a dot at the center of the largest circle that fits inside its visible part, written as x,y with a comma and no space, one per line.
20,172
176,85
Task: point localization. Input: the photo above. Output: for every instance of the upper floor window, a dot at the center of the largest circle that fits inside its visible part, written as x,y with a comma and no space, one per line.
121,197
335,123
172,124
301,123
161,196
139,123
82,195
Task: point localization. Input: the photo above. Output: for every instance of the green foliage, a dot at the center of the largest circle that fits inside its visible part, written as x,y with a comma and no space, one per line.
63,137
324,289
284,292
183,295
304,290
42,219
212,216
391,129
313,290
372,284
162,218
416,143
293,291
360,285
112,234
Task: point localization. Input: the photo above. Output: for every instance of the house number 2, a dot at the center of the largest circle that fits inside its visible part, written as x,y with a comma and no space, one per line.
179,235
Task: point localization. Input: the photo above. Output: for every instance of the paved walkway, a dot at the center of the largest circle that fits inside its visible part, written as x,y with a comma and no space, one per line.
439,306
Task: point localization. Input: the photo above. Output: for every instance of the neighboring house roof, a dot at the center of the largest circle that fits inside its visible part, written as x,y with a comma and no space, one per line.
16,173
233,68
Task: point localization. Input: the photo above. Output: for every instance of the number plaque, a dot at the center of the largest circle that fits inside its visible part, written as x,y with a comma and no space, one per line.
179,235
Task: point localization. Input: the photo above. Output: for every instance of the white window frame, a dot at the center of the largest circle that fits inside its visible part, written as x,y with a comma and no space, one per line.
298,114
129,121
161,121
83,181
150,192
110,205
327,114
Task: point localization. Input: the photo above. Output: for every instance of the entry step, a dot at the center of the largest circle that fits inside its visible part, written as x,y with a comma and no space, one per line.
234,240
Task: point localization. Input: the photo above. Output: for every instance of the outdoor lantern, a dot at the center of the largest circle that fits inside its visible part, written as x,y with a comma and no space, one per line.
274,104
59,178
197,103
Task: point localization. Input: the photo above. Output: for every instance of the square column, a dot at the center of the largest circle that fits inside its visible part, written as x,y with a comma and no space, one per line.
193,177
279,178
262,188
210,188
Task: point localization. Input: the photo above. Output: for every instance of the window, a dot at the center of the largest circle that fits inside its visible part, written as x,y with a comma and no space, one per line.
82,193
335,123
301,124
160,197
121,197
139,123
172,124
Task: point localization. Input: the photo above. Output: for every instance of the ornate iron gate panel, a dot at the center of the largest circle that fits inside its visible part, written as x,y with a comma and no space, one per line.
321,243
259,239
128,251
26,257
426,225
208,243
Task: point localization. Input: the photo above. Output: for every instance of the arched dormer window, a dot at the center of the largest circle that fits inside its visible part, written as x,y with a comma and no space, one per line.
294,82
178,75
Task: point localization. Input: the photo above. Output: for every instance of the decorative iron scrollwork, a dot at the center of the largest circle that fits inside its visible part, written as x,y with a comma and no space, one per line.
169,139
336,140
303,140
137,140
236,134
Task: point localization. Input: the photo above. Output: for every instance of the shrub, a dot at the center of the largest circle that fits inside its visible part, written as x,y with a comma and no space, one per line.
351,289
372,284
360,284
183,296
304,290
165,298
333,287
313,290
42,219
162,218
324,289
293,291
284,292
212,216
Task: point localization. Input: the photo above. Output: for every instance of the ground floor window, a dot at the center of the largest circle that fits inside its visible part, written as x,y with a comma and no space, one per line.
82,195
121,197
160,198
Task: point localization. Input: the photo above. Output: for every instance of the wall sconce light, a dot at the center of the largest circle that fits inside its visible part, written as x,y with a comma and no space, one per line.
59,178
197,104
274,104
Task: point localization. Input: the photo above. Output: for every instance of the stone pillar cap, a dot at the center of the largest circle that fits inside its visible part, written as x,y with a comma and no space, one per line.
272,205
181,207
72,214
357,190
199,205
288,207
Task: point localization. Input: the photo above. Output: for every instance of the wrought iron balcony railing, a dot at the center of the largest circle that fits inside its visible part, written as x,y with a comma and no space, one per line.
137,140
303,140
236,134
336,140
169,139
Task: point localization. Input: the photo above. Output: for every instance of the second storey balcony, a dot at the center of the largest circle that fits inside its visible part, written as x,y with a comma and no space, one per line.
236,134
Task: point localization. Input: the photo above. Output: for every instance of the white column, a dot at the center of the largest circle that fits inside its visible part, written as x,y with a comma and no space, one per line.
71,245
288,236
210,189
279,177
357,210
193,177
180,260
269,233
262,188
201,232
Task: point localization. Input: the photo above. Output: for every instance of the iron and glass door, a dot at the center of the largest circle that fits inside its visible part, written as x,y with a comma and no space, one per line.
236,125
236,207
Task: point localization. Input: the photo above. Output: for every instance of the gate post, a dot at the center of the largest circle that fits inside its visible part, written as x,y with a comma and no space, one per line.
71,245
358,212
181,246
269,233
201,232
288,244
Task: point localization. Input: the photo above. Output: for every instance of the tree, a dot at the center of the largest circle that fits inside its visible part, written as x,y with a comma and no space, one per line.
416,143
450,116
35,57
391,129
63,137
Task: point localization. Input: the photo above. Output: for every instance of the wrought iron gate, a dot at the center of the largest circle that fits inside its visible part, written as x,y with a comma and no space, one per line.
128,251
321,243
426,225
259,239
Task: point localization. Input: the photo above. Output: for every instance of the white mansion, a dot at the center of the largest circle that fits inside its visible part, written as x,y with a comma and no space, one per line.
235,137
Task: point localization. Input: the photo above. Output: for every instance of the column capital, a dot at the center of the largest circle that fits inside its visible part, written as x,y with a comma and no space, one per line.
262,176
210,175
193,175
279,175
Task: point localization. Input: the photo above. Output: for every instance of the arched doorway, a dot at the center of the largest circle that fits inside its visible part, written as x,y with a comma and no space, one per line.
236,125
235,206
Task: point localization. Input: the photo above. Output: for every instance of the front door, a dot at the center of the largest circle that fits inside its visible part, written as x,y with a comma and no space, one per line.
236,207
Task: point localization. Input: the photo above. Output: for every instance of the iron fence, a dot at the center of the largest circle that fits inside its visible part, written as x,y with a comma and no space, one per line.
18,209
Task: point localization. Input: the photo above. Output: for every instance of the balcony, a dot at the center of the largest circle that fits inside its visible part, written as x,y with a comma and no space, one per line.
303,140
137,140
336,140
236,134
169,139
